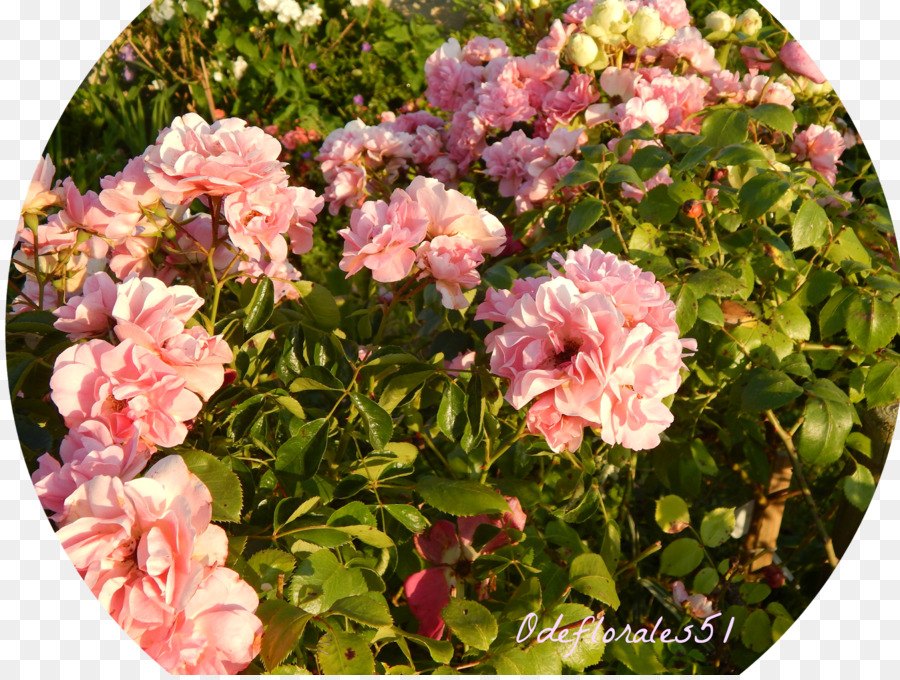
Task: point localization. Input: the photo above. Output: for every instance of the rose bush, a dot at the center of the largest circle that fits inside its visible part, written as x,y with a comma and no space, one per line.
559,341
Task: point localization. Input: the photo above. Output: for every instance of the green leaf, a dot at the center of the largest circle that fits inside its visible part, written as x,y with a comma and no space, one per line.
638,658
342,653
860,487
833,316
681,557
705,580
717,526
847,246
657,207
224,486
672,514
754,593
581,173
471,622
319,305
460,498
774,116
270,563
740,154
827,420
769,389
370,609
379,425
686,309
299,457
810,227
400,386
284,624
621,172
714,282
308,385
326,537
408,516
792,321
756,633
725,127
871,322
648,161
369,535
883,384
590,576
760,194
441,651
585,215
261,306
451,417
710,312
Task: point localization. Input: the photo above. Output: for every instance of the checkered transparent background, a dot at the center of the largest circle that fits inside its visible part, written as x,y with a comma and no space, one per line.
50,624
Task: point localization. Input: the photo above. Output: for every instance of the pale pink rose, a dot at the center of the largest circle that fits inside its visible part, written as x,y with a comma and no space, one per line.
33,297
596,342
133,256
480,50
382,236
451,81
699,606
451,213
217,633
88,314
150,313
689,44
88,451
796,59
504,98
466,136
762,90
755,59
199,359
683,96
347,187
41,194
258,220
452,262
281,273
635,112
561,106
673,13
619,82
726,85
461,362
822,146
635,192
556,39
193,243
125,195
563,433
578,12
192,159
123,385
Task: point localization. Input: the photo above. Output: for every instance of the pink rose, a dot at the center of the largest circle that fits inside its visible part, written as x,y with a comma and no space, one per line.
125,195
88,314
123,385
452,262
796,59
451,213
382,236
192,159
822,146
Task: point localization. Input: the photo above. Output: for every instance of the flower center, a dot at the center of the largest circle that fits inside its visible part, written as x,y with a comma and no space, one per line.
569,349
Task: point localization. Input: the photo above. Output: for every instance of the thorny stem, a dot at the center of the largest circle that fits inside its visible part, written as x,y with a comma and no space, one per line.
801,478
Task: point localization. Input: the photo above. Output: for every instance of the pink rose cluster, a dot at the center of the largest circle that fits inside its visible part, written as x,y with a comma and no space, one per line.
357,157
450,549
141,224
822,147
235,170
148,552
122,401
595,344
438,231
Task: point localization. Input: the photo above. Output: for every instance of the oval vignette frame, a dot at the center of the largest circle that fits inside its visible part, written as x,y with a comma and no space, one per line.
91,644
